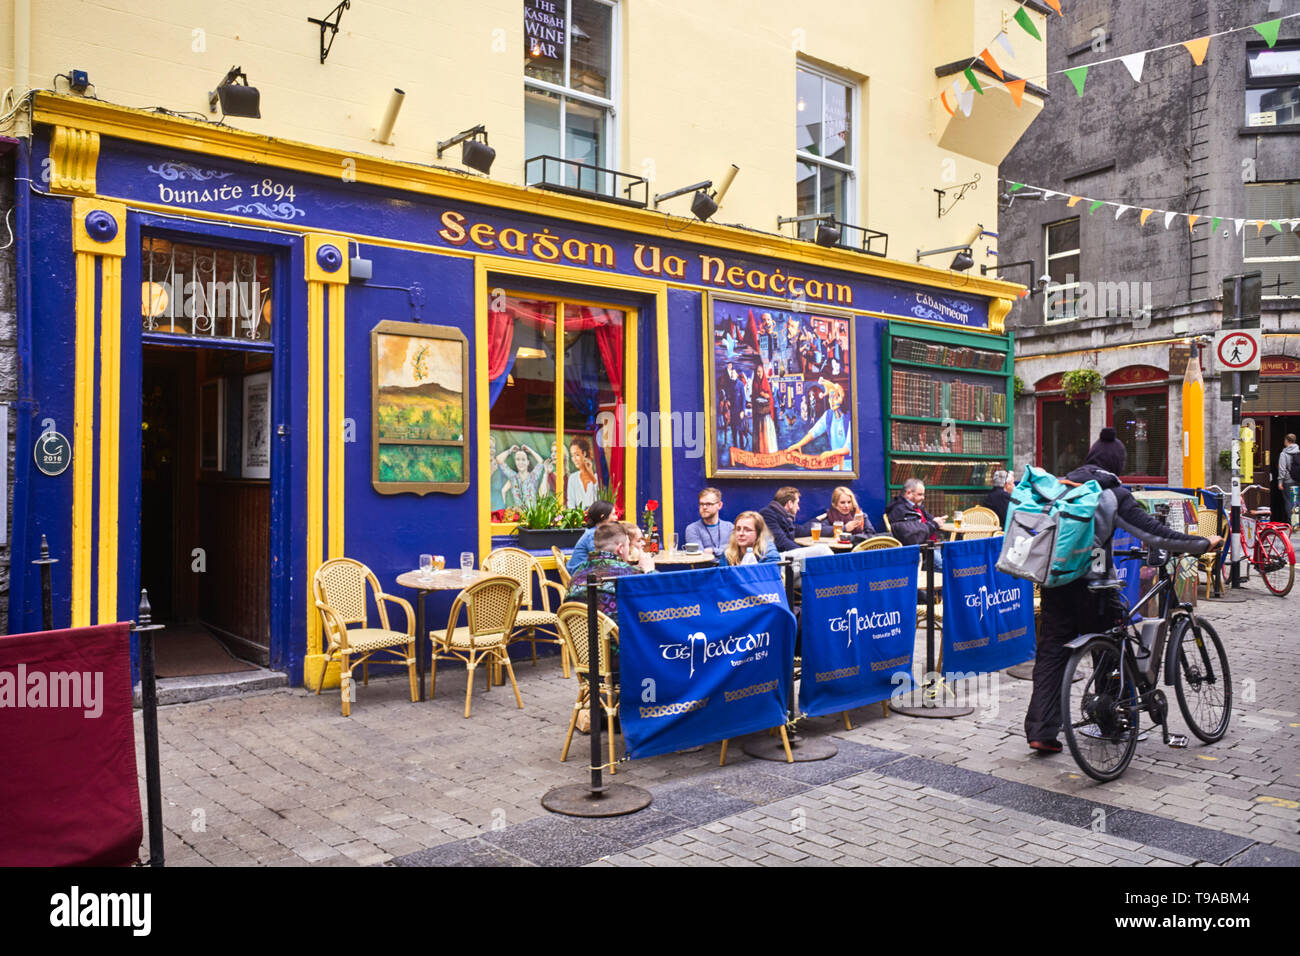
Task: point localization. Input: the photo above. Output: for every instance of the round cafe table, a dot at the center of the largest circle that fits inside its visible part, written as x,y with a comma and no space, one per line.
827,540
452,579
681,561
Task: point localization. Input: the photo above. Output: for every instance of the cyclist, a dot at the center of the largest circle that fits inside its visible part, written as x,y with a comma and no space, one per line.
1070,610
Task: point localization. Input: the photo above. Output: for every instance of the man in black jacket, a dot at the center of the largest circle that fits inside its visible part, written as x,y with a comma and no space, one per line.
779,516
999,497
907,518
1071,610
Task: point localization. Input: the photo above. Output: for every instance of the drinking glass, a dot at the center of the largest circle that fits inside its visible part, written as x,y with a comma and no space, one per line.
426,565
956,519
672,543
839,530
816,529
467,560
439,562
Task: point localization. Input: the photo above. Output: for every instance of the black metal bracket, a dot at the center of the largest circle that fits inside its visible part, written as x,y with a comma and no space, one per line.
414,293
962,188
337,14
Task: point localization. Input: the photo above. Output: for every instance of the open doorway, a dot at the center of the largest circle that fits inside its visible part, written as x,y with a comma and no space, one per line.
205,507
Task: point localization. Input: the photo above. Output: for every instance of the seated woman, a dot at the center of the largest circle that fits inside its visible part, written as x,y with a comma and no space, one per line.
750,531
602,512
845,508
636,552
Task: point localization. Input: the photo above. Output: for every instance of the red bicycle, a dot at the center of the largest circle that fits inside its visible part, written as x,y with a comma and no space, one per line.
1267,545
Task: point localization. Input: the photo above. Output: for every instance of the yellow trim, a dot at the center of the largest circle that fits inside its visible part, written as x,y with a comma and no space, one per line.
337,382
110,421
665,409
453,186
558,345
998,310
74,155
631,360
315,476
481,407
83,441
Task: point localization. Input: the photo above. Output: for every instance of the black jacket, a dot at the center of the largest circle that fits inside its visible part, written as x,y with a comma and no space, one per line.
910,523
1133,518
784,531
998,500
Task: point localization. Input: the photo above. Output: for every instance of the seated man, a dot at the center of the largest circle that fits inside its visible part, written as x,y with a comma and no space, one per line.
609,556
909,522
779,515
711,533
999,497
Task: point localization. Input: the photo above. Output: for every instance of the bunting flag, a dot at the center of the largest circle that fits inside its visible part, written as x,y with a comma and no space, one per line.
1214,224
1268,31
970,78
1239,223
1276,224
1073,200
1015,187
987,57
1017,90
1004,41
943,96
1197,49
1022,17
1169,217
1096,204
1146,214
966,101
1077,76
1056,5
1121,210
1191,221
1134,63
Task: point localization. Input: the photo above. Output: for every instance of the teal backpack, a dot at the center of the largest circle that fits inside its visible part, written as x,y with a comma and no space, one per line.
1051,529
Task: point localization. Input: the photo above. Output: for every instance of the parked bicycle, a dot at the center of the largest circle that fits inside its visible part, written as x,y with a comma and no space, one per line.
1113,676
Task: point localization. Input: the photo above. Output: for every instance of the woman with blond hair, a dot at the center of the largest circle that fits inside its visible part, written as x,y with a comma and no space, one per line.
845,508
750,532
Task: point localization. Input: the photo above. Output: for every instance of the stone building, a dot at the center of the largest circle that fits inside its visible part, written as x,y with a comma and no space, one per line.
1125,298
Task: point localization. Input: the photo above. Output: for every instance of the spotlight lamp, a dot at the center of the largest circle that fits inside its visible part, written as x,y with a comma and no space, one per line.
236,99
962,261
1037,284
828,231
705,203
474,154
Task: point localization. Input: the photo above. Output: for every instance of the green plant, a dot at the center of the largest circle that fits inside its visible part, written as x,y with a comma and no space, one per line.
1081,384
544,512
1020,386
570,518
1225,460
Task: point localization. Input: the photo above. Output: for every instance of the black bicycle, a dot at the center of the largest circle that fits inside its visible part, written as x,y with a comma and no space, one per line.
1113,676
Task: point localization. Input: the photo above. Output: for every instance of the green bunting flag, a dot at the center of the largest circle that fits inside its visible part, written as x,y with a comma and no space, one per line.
1022,17
1077,76
1096,204
1275,224
1014,186
1268,30
970,78
1214,224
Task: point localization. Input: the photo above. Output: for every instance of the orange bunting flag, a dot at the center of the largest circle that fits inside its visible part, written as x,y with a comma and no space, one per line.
1259,226
1017,90
1191,221
1146,213
1197,49
1056,5
944,97
1072,200
987,57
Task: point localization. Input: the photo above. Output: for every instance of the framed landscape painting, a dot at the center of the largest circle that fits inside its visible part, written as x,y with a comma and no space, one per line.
780,390
420,406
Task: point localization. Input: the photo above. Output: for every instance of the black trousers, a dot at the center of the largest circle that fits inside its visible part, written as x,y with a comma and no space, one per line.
1067,612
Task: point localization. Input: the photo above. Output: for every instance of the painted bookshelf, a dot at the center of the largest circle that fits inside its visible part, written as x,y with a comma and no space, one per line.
948,399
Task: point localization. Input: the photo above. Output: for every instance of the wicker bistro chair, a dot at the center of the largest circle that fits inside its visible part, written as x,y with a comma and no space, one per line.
522,568
879,541
979,522
490,606
339,589
1207,523
561,565
572,616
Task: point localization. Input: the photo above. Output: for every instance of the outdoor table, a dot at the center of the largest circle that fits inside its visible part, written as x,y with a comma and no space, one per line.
681,561
828,540
959,533
448,580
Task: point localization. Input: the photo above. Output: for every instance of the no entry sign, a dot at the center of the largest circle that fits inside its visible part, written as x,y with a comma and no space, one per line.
1238,350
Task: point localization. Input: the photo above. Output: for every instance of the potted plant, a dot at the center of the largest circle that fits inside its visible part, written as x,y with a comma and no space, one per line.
546,522
1080,385
648,522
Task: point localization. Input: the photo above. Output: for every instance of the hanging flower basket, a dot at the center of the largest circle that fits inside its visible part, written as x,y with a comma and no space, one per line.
1080,385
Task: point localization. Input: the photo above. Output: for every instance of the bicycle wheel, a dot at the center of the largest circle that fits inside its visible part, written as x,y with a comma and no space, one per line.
1099,713
1275,565
1201,679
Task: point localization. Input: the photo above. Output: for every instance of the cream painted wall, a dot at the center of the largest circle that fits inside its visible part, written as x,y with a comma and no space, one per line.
705,83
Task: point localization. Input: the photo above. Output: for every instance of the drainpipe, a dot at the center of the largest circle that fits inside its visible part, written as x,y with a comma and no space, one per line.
22,46
25,407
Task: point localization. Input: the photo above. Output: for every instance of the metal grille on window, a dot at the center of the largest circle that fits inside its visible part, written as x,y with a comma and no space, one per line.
205,292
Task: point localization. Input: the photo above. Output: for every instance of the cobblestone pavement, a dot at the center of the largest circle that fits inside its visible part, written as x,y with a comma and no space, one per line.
280,778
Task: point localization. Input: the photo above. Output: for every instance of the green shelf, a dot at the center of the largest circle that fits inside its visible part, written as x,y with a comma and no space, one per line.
940,421
949,368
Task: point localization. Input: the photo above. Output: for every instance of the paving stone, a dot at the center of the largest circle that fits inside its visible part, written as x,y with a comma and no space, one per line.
1261,855
460,853
939,776
1198,843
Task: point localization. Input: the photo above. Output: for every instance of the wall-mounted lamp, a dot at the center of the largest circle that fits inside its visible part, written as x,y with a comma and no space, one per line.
384,133
236,99
962,261
1036,284
705,204
828,229
475,155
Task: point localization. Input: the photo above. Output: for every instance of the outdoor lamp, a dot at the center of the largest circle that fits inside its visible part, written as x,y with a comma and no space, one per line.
828,229
705,203
236,99
477,156
962,261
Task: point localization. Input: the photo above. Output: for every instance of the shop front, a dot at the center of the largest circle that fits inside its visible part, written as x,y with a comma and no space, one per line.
264,354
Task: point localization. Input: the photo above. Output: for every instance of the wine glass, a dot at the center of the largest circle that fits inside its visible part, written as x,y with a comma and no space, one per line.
467,561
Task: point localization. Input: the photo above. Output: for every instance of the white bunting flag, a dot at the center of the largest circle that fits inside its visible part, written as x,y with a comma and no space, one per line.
1121,210
966,100
1134,63
1169,217
1238,223
1050,194
1004,41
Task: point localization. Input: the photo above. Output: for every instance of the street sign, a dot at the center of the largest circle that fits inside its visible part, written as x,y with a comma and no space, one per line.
1238,350
53,453
1236,455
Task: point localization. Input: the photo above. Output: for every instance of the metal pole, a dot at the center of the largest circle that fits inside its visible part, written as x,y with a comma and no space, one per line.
47,593
1235,515
593,680
149,712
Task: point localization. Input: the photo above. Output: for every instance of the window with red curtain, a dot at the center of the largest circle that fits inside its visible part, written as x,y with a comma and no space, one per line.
548,402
